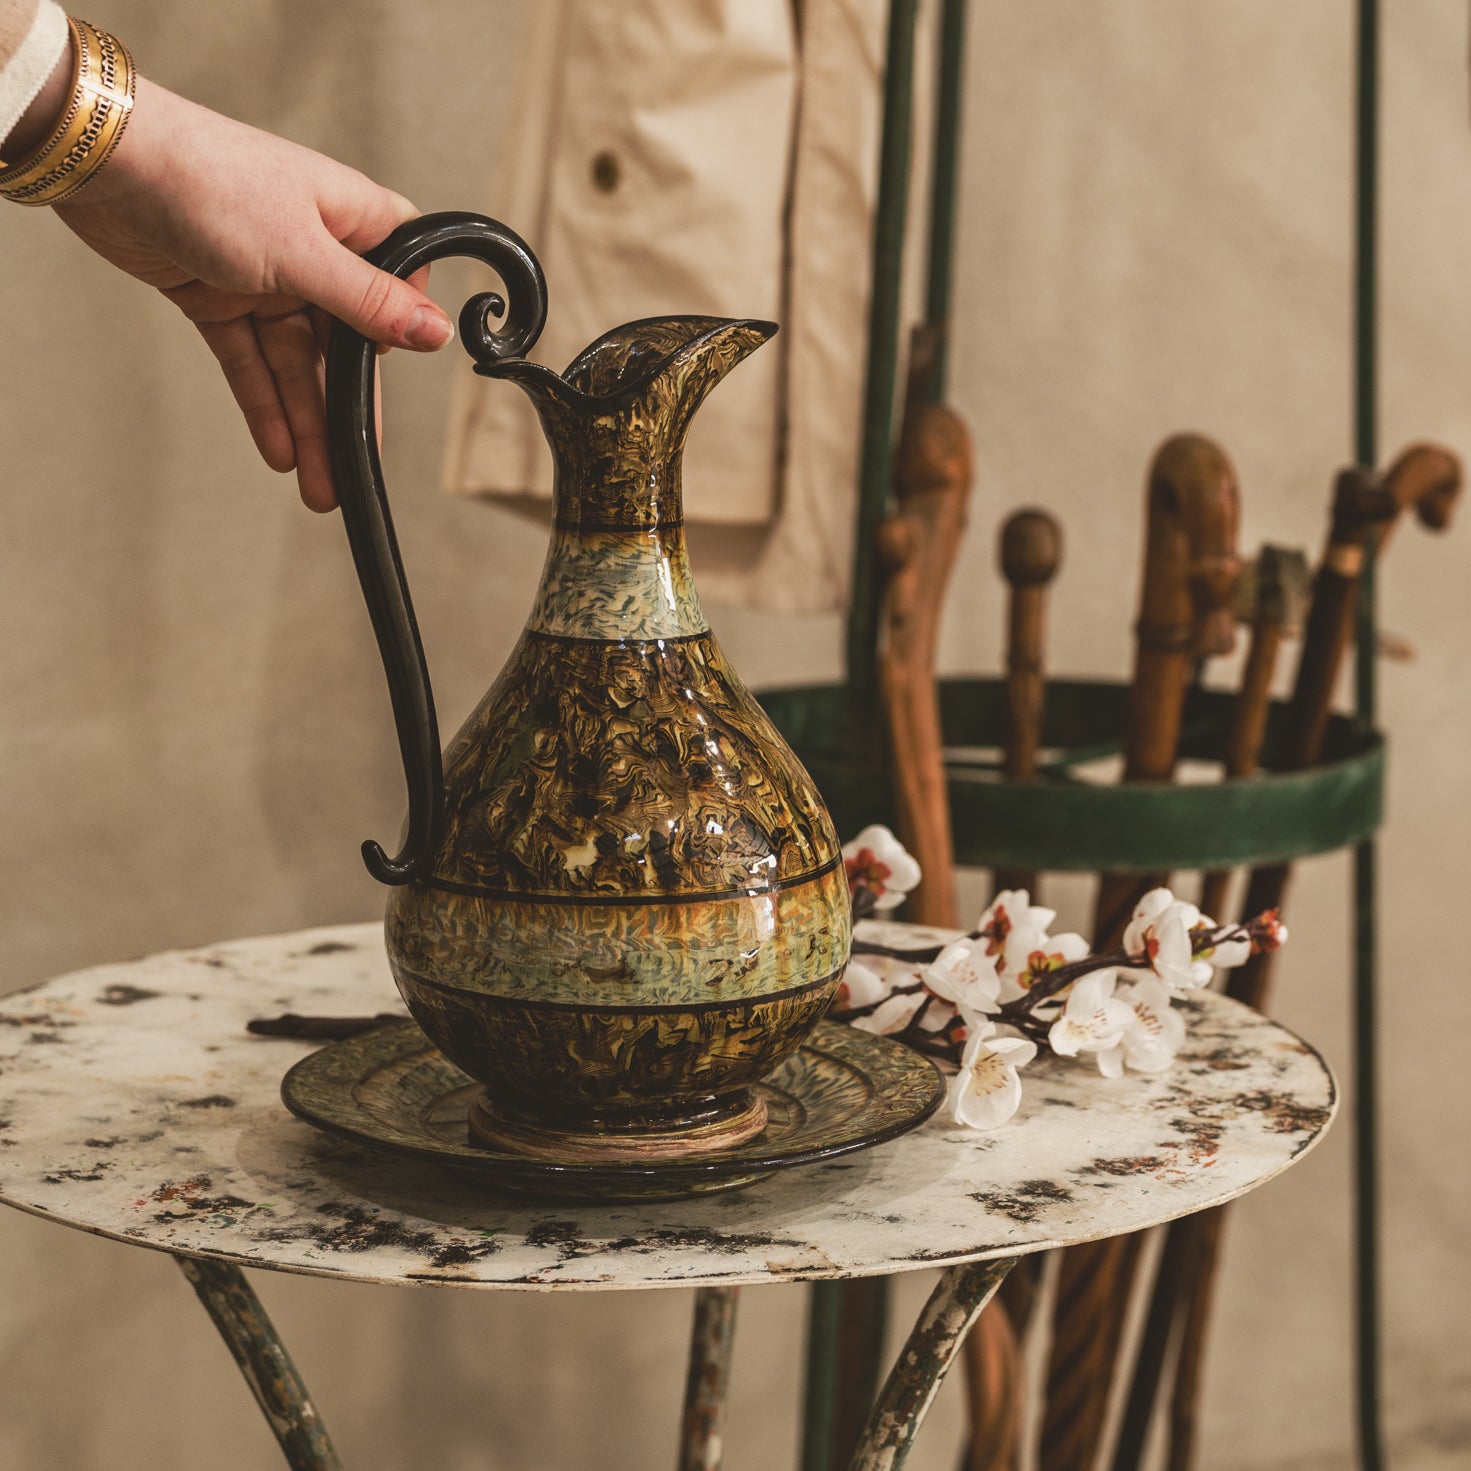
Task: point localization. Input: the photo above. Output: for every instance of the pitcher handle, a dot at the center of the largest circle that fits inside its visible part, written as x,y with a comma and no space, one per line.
358,475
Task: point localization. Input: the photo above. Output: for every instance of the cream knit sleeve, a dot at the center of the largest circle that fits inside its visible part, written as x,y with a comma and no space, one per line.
32,37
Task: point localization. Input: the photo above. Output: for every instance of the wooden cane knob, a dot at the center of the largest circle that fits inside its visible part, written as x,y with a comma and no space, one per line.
1030,551
1030,548
1190,560
1363,506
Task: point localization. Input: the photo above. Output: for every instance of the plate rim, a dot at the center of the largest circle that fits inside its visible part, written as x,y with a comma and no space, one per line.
506,1165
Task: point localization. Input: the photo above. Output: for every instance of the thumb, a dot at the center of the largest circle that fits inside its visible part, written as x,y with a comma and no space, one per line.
372,302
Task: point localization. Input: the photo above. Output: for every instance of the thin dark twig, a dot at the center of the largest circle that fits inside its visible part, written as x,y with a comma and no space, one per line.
924,1042
1060,977
852,1013
923,956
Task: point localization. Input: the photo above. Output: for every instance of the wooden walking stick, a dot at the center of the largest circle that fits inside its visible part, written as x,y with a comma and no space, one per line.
1029,552
1190,567
1190,570
1272,595
1360,504
1271,598
1365,510
918,544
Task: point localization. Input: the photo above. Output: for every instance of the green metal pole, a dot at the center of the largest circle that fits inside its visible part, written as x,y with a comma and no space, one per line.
1366,452
820,1387
943,190
876,456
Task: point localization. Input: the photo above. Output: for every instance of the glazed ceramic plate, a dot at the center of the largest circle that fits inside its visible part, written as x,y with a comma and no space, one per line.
389,1088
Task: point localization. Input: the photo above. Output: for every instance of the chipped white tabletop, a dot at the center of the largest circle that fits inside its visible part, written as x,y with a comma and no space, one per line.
133,1104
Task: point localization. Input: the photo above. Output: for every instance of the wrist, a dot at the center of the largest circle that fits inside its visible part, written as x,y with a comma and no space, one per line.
133,153
94,116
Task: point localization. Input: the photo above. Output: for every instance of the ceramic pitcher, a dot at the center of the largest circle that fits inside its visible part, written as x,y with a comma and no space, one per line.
620,901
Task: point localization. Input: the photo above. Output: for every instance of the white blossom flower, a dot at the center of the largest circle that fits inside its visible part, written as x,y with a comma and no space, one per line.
1160,931
965,976
894,934
1092,1020
877,861
1030,954
936,1016
986,1091
1152,1037
1011,909
861,986
892,1015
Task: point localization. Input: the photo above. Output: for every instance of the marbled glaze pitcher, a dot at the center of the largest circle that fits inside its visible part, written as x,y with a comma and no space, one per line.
620,900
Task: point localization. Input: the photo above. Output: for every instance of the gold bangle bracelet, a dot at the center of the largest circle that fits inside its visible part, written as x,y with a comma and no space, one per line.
103,85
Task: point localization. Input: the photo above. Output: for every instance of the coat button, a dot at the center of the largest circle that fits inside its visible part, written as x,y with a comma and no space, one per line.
606,171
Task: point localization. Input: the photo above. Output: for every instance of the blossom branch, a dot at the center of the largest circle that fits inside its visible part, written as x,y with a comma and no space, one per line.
986,1001
1262,933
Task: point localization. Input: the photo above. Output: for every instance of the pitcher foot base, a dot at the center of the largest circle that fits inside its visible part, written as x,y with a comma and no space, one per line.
569,1146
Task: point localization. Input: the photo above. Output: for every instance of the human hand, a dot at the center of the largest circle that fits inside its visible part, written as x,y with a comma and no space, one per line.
255,240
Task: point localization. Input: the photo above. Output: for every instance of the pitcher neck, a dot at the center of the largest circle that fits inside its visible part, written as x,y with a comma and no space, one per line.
620,582
631,492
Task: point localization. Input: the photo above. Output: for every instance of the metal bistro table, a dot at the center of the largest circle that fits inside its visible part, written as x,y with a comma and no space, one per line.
136,1106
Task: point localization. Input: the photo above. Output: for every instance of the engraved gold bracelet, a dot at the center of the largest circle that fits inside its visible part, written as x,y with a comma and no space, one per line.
103,85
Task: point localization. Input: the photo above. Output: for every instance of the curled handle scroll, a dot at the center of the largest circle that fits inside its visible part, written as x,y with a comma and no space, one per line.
493,328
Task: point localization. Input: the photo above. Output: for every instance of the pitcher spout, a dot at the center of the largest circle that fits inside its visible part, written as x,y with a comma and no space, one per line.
617,418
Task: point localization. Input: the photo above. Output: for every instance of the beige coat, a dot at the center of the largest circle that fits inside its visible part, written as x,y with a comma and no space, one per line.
707,156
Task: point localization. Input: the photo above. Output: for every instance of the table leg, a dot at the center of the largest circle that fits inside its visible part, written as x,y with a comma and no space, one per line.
702,1441
251,1337
913,1382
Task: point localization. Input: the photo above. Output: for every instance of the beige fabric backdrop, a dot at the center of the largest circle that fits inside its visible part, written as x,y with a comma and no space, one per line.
1154,237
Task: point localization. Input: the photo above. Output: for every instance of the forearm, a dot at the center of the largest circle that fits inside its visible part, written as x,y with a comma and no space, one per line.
257,240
